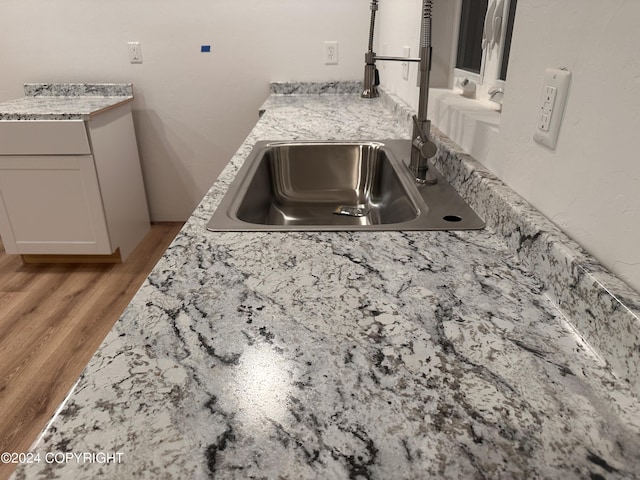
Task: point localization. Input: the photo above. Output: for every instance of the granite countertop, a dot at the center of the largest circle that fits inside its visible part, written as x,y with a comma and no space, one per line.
375,355
48,101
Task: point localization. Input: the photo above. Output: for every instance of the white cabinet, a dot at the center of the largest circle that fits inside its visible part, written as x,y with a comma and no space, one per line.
72,187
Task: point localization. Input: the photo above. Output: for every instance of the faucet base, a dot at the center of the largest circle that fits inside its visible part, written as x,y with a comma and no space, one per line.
420,174
370,93
426,181
371,78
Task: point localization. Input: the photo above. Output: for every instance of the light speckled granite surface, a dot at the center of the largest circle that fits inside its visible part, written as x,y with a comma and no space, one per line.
65,101
600,306
387,355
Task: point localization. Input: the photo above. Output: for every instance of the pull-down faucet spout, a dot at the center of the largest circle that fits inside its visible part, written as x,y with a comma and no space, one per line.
371,79
421,146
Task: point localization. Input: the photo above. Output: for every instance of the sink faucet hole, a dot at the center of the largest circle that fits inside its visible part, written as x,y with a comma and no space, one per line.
452,218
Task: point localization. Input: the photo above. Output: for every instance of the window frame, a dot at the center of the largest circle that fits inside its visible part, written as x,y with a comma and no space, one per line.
492,58
459,16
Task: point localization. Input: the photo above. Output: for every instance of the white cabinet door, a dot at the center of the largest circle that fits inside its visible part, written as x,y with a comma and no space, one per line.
51,205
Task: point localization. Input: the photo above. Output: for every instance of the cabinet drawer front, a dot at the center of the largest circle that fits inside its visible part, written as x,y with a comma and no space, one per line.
43,137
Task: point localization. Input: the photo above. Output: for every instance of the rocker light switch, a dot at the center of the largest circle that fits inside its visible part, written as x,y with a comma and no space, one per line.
552,102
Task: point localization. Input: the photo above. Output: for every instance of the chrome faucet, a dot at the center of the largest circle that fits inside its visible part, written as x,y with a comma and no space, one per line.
422,148
496,94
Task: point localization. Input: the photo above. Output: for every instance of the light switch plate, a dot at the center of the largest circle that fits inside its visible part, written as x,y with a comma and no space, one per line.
553,98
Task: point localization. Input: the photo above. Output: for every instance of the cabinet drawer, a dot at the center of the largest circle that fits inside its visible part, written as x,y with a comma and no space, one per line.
43,137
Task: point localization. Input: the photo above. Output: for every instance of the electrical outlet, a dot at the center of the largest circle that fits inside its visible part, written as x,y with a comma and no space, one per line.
331,53
553,99
135,53
406,51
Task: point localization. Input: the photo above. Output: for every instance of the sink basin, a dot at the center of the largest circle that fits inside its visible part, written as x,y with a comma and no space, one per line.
337,186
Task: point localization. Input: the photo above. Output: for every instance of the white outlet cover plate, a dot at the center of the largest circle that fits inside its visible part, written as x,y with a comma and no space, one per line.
331,53
553,98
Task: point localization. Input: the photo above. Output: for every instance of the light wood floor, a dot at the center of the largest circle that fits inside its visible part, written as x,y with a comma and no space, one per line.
52,320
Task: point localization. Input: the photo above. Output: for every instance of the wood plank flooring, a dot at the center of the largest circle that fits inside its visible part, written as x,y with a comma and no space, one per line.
52,320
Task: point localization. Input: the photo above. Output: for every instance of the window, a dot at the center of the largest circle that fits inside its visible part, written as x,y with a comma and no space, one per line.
469,56
484,42
507,41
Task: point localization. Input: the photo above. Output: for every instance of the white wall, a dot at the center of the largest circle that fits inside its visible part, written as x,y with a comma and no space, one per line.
590,185
192,110
398,25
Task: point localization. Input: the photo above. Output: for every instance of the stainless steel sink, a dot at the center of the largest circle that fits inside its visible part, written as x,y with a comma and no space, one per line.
337,186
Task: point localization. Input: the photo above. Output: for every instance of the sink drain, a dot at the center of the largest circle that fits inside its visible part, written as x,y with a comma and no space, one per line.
352,210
